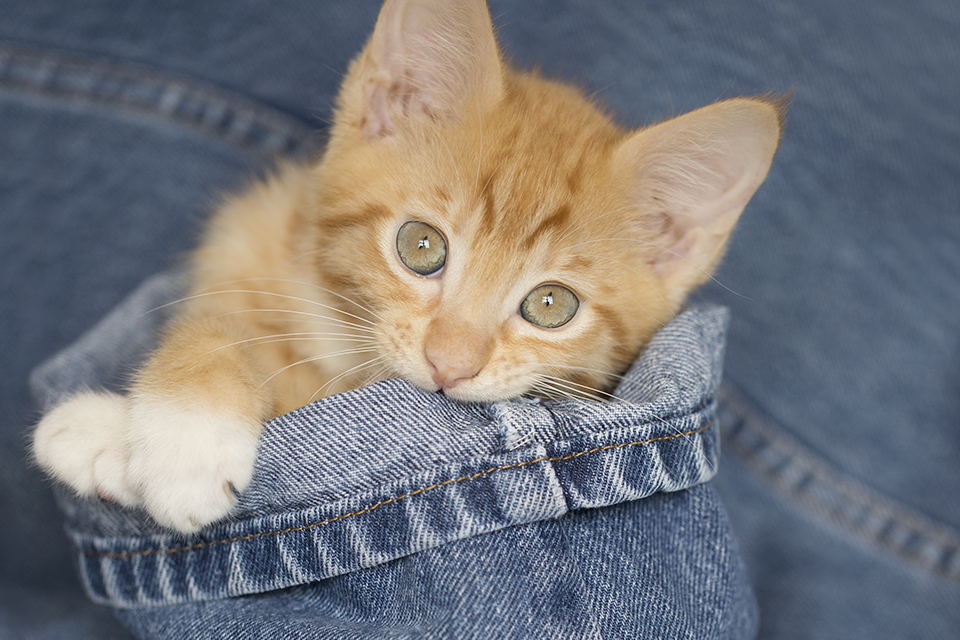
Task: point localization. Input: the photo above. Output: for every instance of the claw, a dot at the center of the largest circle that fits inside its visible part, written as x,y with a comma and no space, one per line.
230,490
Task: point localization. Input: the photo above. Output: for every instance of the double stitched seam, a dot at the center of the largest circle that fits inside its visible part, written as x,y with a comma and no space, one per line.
231,118
473,476
801,476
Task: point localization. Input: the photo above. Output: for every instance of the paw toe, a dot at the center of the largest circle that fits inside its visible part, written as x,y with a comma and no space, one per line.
69,440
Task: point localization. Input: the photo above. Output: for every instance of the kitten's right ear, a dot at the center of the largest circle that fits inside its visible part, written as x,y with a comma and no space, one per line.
426,58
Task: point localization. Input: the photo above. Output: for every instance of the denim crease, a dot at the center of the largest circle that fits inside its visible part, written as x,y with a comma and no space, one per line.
363,478
804,478
208,111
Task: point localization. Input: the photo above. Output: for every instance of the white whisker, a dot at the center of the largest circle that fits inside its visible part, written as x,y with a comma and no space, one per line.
706,273
302,336
574,389
264,293
337,322
584,390
453,162
377,375
332,381
576,368
313,285
591,220
345,352
476,180
505,157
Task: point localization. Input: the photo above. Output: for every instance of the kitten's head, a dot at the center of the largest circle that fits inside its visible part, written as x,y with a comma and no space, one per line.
509,237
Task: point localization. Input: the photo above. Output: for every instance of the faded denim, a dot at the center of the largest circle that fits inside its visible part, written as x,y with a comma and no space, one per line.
121,122
392,489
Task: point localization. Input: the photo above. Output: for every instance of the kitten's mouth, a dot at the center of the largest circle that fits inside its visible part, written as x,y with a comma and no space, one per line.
460,394
447,394
449,391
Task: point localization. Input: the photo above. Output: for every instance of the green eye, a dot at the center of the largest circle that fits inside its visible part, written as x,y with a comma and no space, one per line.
549,306
421,248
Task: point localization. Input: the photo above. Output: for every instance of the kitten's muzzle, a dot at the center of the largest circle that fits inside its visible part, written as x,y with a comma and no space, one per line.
446,374
455,349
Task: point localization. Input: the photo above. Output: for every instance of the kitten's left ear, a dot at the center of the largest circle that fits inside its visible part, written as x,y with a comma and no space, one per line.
692,176
430,58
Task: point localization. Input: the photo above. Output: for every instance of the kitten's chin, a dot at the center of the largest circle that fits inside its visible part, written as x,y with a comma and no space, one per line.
467,391
472,398
477,394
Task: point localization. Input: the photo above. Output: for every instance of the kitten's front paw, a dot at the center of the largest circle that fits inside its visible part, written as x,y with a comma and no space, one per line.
187,463
82,443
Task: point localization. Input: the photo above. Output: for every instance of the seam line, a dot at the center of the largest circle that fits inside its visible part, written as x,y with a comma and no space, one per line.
808,482
206,109
410,494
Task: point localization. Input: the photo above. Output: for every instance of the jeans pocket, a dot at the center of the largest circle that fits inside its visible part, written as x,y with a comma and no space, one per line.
361,479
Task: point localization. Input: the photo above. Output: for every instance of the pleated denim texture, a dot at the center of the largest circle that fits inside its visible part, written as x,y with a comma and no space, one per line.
352,484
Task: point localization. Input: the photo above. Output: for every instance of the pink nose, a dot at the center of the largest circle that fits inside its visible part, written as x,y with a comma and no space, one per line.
445,371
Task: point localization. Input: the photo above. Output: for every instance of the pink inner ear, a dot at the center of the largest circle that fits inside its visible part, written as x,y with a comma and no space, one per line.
681,250
405,98
427,58
698,172
377,122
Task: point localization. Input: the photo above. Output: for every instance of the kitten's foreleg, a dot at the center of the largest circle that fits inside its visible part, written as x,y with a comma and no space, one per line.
180,444
194,421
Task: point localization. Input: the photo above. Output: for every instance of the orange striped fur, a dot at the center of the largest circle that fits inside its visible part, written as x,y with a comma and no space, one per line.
299,289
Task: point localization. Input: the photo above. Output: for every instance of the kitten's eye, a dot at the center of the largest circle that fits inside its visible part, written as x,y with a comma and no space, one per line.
421,248
550,306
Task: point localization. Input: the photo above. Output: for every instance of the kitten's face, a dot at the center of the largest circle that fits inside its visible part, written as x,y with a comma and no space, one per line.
506,235
496,258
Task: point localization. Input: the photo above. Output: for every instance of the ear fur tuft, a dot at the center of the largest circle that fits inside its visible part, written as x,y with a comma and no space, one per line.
429,58
692,176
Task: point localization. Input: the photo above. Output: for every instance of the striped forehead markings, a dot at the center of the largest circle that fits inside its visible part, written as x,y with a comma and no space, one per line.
556,221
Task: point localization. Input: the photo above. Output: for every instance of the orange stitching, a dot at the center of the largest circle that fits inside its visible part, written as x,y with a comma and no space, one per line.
270,534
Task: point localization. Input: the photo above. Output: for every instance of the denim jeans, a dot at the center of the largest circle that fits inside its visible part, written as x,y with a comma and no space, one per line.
121,122
391,512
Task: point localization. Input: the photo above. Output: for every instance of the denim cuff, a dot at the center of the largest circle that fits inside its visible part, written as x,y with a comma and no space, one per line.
365,477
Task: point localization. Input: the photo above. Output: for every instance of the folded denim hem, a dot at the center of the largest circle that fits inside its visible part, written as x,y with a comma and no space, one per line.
451,503
364,477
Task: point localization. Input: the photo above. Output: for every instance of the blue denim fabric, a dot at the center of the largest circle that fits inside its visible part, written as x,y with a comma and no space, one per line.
840,468
352,483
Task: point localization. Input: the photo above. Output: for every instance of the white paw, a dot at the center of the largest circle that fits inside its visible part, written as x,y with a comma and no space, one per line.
187,462
183,465
82,443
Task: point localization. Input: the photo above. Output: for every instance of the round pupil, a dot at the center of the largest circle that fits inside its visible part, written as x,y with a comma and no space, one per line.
549,306
421,248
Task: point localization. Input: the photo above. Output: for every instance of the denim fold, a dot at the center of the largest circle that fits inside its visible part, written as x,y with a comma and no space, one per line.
359,479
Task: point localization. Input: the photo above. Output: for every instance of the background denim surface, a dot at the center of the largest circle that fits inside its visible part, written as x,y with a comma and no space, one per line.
840,468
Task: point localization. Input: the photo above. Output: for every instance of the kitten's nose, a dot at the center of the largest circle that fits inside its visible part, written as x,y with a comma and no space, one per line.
446,372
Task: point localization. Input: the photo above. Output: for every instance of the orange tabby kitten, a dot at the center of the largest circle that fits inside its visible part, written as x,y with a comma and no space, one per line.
477,231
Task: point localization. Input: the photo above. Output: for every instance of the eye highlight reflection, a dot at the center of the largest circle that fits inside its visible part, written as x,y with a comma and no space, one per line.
421,248
550,306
